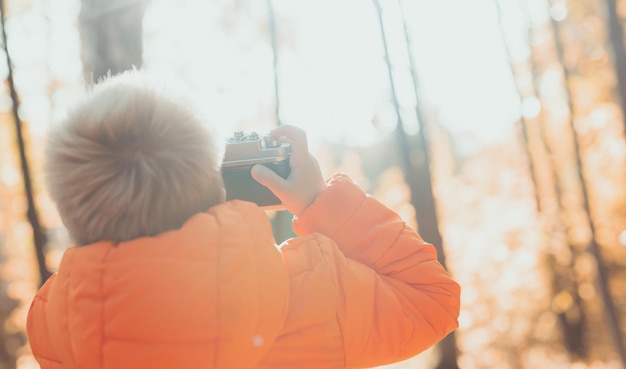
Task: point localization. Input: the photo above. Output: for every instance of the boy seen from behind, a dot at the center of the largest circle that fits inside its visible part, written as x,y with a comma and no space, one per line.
167,274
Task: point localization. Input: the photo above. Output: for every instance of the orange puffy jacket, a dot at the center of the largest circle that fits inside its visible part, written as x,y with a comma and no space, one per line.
357,289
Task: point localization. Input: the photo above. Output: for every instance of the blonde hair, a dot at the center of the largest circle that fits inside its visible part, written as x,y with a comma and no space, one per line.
132,159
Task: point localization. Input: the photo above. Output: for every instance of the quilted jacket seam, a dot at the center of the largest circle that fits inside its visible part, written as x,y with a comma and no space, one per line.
68,313
102,299
331,267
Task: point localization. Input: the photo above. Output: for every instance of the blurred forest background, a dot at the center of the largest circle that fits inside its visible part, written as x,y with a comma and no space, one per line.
495,127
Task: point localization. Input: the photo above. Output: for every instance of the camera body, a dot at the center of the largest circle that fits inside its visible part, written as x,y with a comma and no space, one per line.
245,150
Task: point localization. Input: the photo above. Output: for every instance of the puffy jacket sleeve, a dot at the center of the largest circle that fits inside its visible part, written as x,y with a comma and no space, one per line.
394,298
37,329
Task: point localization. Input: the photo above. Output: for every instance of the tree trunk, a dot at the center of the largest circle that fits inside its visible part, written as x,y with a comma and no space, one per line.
572,321
111,34
416,165
616,39
10,340
39,236
610,311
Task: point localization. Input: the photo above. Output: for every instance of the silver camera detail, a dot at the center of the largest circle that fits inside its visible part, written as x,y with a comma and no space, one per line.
245,150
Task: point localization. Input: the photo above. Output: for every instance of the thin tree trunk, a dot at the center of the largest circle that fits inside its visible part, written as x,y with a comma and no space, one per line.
573,320
616,39
425,204
272,28
418,177
593,247
522,121
281,222
573,330
39,236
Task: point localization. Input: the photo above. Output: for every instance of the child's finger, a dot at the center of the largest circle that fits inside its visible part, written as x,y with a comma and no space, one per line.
297,138
269,179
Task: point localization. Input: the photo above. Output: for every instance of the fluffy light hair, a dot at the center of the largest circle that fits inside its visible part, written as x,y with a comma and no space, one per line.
131,159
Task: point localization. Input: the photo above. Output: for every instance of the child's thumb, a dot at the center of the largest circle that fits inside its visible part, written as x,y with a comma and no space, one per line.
269,179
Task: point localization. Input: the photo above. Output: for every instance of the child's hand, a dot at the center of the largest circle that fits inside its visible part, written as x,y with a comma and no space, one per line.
305,182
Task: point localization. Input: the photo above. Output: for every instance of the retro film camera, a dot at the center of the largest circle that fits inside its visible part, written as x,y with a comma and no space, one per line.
243,151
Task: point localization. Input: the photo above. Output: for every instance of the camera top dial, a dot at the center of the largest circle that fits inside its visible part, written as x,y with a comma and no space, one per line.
250,148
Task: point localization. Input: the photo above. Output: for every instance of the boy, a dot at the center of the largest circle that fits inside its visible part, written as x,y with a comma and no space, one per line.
166,274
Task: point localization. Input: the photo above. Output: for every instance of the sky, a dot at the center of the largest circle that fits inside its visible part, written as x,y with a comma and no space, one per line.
333,80
332,75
